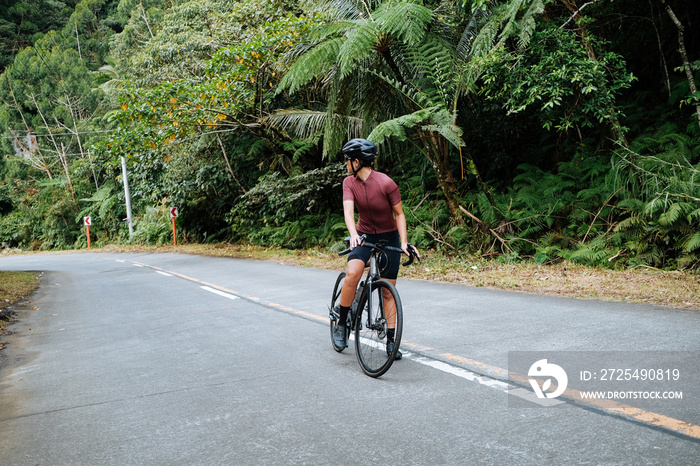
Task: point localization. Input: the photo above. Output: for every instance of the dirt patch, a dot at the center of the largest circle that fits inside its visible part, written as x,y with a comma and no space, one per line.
676,289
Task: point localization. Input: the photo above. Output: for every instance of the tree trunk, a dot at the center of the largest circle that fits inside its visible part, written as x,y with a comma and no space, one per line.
64,162
576,15
684,56
228,164
443,174
615,125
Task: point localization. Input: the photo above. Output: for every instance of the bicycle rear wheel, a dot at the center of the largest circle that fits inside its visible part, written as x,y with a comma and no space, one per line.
333,313
379,310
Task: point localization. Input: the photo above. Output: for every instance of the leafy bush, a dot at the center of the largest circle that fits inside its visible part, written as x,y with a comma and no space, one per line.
291,212
155,227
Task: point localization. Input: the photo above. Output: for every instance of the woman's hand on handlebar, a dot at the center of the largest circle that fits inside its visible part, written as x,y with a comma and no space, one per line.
356,240
411,251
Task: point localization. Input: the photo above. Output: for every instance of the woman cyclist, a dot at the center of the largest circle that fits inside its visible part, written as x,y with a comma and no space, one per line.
378,202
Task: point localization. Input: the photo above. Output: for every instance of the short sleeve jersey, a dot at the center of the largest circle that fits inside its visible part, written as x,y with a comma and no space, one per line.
374,199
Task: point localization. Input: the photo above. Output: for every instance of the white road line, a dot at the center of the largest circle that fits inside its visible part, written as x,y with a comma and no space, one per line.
459,372
137,265
512,390
163,273
220,293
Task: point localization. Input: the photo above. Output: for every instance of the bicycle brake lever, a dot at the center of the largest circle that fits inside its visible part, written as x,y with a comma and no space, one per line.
411,256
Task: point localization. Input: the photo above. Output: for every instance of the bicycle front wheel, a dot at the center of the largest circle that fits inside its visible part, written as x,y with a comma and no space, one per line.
333,312
379,320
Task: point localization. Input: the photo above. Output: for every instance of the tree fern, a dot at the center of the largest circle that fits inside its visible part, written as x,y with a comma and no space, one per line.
406,20
398,127
436,67
675,212
345,9
303,123
315,62
359,44
514,18
443,123
692,243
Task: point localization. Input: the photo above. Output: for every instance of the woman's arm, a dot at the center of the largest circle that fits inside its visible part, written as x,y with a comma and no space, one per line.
401,226
349,215
400,218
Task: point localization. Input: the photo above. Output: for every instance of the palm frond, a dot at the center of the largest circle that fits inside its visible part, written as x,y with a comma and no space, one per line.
303,123
358,46
317,61
692,243
397,127
406,20
443,123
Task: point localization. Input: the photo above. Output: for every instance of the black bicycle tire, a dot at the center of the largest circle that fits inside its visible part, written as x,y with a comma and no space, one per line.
335,300
377,285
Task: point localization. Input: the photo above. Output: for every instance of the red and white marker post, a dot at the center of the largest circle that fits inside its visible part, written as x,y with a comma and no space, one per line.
173,214
88,222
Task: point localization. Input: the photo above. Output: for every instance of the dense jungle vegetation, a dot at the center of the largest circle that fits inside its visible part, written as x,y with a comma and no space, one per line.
541,130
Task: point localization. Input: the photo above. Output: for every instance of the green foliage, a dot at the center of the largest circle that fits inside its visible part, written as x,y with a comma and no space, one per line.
235,111
154,227
107,209
22,22
292,212
571,90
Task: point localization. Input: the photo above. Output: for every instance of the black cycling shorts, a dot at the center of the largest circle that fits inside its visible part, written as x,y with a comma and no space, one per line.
389,261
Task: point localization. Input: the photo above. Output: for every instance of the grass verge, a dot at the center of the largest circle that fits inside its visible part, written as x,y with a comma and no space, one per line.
14,286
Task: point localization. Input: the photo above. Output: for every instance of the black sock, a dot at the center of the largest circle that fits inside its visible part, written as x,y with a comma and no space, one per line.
343,318
390,335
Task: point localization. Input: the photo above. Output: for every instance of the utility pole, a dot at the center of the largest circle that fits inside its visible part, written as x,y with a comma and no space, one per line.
128,198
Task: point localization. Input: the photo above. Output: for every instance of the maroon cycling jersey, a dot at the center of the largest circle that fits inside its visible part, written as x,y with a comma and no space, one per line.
374,199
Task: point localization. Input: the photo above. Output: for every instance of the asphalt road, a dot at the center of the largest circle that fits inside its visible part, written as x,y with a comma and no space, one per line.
174,359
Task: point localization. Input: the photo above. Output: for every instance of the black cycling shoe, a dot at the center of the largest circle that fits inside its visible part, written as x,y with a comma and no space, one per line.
340,336
390,348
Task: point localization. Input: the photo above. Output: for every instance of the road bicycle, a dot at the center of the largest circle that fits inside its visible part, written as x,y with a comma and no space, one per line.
375,309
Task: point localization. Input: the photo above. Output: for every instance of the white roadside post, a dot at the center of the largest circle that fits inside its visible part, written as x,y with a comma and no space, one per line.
128,198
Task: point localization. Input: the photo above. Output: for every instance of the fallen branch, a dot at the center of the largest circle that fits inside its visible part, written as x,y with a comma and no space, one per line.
605,204
476,219
431,231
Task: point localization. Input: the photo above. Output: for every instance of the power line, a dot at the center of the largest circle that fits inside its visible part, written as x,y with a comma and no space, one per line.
58,134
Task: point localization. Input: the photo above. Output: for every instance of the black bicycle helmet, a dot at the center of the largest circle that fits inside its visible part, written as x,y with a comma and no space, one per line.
360,149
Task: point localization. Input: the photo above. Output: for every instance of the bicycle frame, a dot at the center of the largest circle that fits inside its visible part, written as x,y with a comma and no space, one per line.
366,285
373,273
